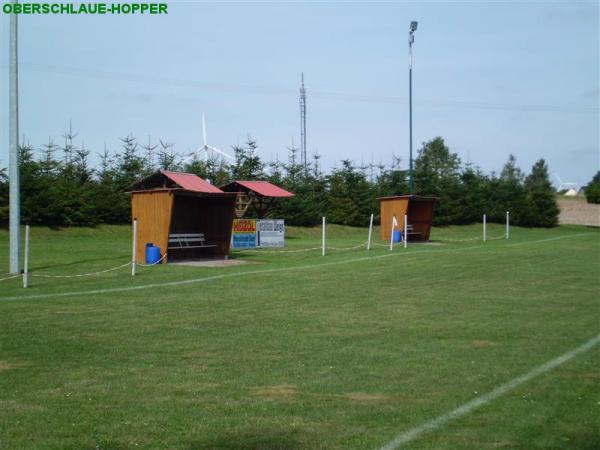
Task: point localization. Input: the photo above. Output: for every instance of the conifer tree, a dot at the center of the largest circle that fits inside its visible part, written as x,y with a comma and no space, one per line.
592,189
3,197
542,209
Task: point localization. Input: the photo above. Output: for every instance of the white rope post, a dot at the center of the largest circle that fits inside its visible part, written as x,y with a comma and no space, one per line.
392,233
507,224
323,238
134,249
370,233
405,234
484,228
26,262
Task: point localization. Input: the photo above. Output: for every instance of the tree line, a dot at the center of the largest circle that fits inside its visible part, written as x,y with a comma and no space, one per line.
59,186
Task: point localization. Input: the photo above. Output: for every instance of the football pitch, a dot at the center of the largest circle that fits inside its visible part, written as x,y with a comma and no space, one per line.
455,344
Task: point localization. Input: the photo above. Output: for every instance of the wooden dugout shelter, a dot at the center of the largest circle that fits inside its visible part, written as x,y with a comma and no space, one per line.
169,205
418,209
259,194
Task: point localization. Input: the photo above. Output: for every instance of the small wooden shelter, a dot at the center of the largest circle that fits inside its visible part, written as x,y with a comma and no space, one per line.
258,194
419,211
184,215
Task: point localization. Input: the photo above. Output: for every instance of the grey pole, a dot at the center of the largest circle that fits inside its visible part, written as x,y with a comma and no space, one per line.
411,39
13,148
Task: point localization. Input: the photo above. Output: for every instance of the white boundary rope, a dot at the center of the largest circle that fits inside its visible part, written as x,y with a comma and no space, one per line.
100,272
396,244
478,238
348,248
154,263
302,250
10,278
256,250
273,270
44,275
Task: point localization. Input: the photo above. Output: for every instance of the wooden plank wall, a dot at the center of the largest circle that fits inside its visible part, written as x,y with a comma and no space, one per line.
153,213
388,209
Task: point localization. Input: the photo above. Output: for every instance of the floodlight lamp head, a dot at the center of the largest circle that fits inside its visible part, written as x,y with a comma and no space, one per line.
413,26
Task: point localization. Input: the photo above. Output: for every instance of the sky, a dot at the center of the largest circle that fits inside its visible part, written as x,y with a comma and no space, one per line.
492,78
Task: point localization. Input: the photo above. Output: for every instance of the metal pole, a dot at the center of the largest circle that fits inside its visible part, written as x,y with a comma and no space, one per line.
323,238
405,234
303,159
507,224
13,149
410,171
134,249
370,233
484,228
26,263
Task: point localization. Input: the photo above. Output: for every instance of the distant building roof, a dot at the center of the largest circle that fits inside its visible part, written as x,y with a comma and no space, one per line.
571,193
263,188
166,179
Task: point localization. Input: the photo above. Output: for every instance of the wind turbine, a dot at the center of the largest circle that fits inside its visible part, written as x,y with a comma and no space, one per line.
564,186
206,148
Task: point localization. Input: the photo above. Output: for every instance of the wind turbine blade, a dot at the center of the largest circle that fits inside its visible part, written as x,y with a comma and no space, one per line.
216,150
204,130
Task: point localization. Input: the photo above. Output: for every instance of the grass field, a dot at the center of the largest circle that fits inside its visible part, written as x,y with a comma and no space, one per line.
300,351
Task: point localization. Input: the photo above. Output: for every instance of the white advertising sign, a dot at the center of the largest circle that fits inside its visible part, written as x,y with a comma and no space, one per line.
271,233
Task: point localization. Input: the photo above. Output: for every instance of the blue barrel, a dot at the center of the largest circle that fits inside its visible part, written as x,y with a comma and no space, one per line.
152,254
397,235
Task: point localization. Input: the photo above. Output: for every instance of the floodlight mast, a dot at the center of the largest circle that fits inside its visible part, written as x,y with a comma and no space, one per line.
13,150
411,39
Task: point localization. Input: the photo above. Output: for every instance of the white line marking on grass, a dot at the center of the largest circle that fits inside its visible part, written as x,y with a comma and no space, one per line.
482,400
258,272
228,275
550,239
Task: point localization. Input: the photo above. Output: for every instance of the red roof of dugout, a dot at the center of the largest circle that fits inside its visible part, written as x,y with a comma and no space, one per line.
191,182
263,188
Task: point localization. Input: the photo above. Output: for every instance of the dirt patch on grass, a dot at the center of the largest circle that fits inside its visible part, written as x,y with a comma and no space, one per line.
16,407
366,397
282,392
213,262
578,212
289,392
484,344
5,365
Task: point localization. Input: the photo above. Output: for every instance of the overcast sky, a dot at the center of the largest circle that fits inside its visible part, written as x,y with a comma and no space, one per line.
491,78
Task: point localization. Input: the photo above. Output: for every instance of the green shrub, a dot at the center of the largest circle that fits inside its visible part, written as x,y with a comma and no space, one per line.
592,189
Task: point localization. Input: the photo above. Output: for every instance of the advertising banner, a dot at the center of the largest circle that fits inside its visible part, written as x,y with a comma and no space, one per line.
271,233
244,233
251,233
